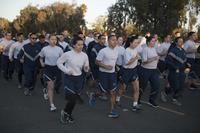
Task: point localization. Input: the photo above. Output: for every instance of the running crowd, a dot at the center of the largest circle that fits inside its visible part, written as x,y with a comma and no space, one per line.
106,64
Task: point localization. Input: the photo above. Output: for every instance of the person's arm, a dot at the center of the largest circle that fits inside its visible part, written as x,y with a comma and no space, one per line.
11,52
147,60
60,64
86,64
20,56
99,62
129,60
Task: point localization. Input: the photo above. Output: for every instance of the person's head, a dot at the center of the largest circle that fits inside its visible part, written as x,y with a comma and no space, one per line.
61,37
192,36
33,38
8,35
53,40
65,33
77,44
96,36
112,41
80,34
132,42
20,37
91,35
177,34
179,42
155,36
120,40
167,39
151,41
42,38
102,39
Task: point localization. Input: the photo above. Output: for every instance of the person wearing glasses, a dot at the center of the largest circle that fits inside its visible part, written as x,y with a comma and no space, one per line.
29,56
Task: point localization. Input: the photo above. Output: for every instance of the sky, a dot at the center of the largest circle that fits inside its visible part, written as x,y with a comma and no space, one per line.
11,8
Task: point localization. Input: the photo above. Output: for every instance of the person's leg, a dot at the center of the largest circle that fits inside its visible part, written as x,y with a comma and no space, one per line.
50,91
27,79
144,75
154,82
66,113
136,89
5,66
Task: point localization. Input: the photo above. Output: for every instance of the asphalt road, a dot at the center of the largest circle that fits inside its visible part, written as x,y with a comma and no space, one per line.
30,114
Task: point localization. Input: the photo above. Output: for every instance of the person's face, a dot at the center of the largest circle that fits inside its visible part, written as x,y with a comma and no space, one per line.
168,39
81,36
20,38
194,36
61,38
177,34
152,42
33,38
180,42
96,37
53,40
112,41
156,37
9,36
78,46
102,40
120,41
42,40
134,43
65,33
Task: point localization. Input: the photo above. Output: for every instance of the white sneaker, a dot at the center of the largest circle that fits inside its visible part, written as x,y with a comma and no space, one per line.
46,96
52,108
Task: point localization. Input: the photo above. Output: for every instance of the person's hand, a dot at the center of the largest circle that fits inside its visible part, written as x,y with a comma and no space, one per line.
21,60
108,67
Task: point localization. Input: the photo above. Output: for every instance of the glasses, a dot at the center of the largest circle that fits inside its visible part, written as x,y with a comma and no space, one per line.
34,38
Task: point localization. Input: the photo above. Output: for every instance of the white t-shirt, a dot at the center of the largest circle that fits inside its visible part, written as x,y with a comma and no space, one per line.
108,56
6,44
121,51
189,45
128,54
63,44
14,49
149,53
74,62
162,50
51,54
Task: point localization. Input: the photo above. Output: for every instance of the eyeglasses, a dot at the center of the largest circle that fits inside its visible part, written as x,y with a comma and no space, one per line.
34,38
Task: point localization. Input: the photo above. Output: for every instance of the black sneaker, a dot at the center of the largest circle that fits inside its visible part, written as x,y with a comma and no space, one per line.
64,117
26,92
70,119
153,104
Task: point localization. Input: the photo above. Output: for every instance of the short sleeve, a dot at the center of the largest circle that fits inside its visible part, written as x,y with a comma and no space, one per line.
100,55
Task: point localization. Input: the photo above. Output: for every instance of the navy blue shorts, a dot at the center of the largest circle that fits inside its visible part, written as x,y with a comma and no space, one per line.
51,73
129,75
107,81
73,84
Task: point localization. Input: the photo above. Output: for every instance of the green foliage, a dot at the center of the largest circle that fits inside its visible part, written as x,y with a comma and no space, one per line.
52,19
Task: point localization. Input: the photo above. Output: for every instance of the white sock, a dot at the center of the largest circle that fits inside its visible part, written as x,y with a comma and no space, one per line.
52,105
118,98
135,103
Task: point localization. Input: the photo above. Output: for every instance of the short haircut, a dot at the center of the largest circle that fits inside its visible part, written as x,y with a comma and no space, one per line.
110,36
190,33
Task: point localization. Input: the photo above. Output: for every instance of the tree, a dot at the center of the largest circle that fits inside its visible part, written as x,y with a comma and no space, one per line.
53,18
4,25
100,24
